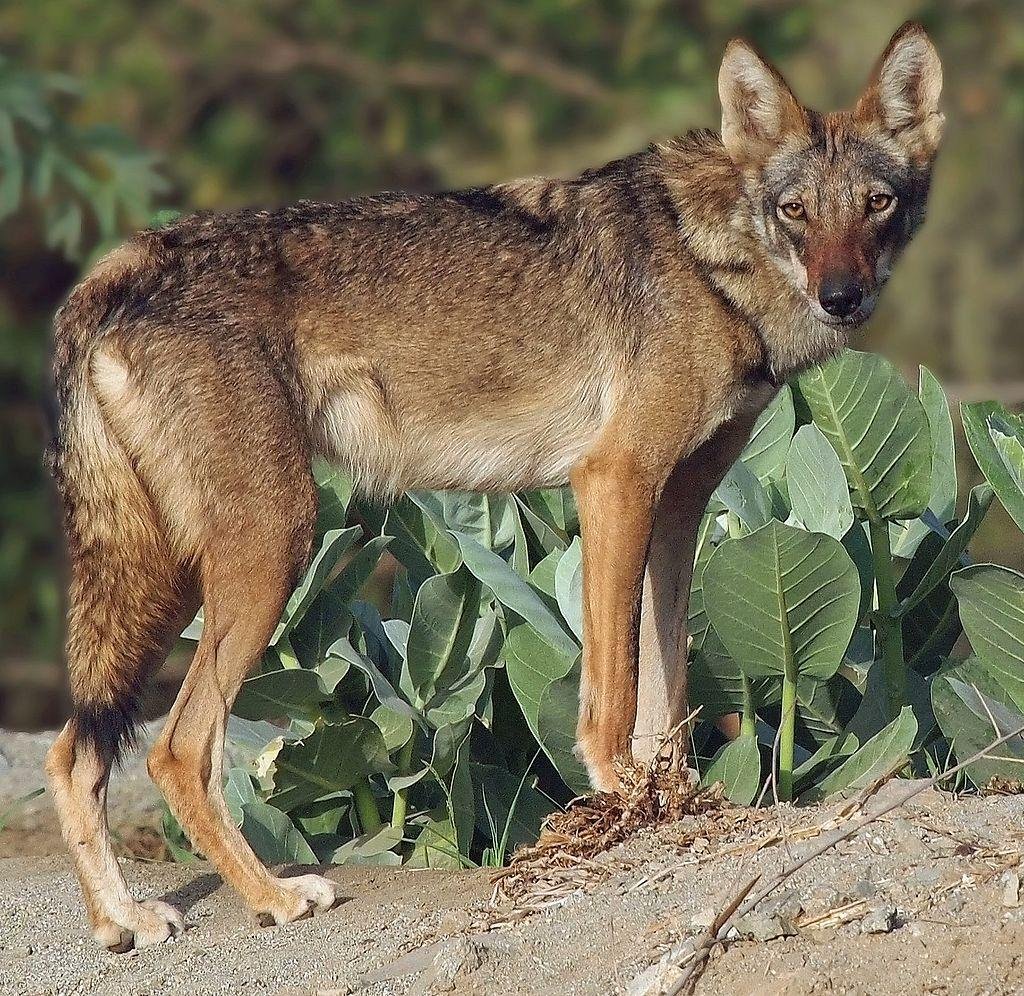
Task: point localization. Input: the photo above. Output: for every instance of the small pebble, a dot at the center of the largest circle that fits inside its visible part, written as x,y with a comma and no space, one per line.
762,927
926,877
956,902
881,921
1011,889
912,847
702,919
787,905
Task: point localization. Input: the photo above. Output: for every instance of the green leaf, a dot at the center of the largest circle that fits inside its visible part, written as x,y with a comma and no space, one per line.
516,593
446,751
557,714
485,517
520,559
858,546
273,836
697,622
766,451
443,619
532,664
64,228
996,438
569,587
1011,452
333,758
547,538
877,757
290,691
780,595
873,711
879,429
457,702
742,494
715,681
931,631
991,601
334,490
174,837
461,685
423,543
818,490
395,728
544,576
948,557
368,845
942,502
322,817
738,767
824,707
326,620
332,548
383,689
238,792
495,791
11,167
557,507
828,756
974,707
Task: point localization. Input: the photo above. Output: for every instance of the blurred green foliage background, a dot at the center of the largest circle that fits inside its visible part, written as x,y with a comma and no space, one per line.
112,110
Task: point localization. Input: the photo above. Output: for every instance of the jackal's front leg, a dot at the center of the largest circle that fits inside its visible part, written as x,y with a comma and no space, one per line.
661,692
616,507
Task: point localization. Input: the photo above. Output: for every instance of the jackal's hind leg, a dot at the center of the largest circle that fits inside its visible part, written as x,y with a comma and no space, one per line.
78,774
116,646
246,580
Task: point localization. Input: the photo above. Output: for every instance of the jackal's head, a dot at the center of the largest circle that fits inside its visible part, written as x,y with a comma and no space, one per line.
836,197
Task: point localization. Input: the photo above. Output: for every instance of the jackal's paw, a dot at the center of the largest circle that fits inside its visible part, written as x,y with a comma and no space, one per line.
145,923
298,898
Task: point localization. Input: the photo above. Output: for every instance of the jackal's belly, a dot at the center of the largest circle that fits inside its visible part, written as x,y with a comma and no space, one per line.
393,443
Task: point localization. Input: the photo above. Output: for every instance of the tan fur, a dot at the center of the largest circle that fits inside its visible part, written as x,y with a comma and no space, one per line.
622,329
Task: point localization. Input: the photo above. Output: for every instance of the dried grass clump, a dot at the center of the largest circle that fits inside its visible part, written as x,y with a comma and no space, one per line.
997,785
563,859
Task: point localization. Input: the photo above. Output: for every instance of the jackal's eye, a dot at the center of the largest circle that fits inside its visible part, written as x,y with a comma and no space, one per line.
877,203
793,210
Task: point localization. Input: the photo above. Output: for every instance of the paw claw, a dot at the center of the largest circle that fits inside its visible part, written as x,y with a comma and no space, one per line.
300,898
146,923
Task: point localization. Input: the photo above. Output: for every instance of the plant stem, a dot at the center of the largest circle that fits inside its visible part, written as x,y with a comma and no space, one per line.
787,733
366,807
748,724
888,629
400,805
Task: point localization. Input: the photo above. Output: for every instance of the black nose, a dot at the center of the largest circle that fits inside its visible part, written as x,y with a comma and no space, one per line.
840,296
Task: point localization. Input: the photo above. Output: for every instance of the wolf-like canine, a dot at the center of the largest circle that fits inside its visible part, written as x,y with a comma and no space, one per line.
620,330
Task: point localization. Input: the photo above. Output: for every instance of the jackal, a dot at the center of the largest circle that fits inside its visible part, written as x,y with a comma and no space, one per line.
620,330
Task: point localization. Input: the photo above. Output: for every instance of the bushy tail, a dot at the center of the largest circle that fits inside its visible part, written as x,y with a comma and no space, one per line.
123,592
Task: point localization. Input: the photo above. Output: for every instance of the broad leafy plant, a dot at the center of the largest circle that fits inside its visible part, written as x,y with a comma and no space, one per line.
433,724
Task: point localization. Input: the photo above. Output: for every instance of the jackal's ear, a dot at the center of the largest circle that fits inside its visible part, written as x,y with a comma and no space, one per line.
902,95
758,107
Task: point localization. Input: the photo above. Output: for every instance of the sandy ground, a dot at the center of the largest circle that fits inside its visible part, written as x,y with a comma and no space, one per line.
931,896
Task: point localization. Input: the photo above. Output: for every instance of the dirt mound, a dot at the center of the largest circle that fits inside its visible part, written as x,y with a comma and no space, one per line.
927,899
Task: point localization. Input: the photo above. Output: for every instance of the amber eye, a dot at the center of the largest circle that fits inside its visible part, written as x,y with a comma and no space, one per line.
793,210
879,202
